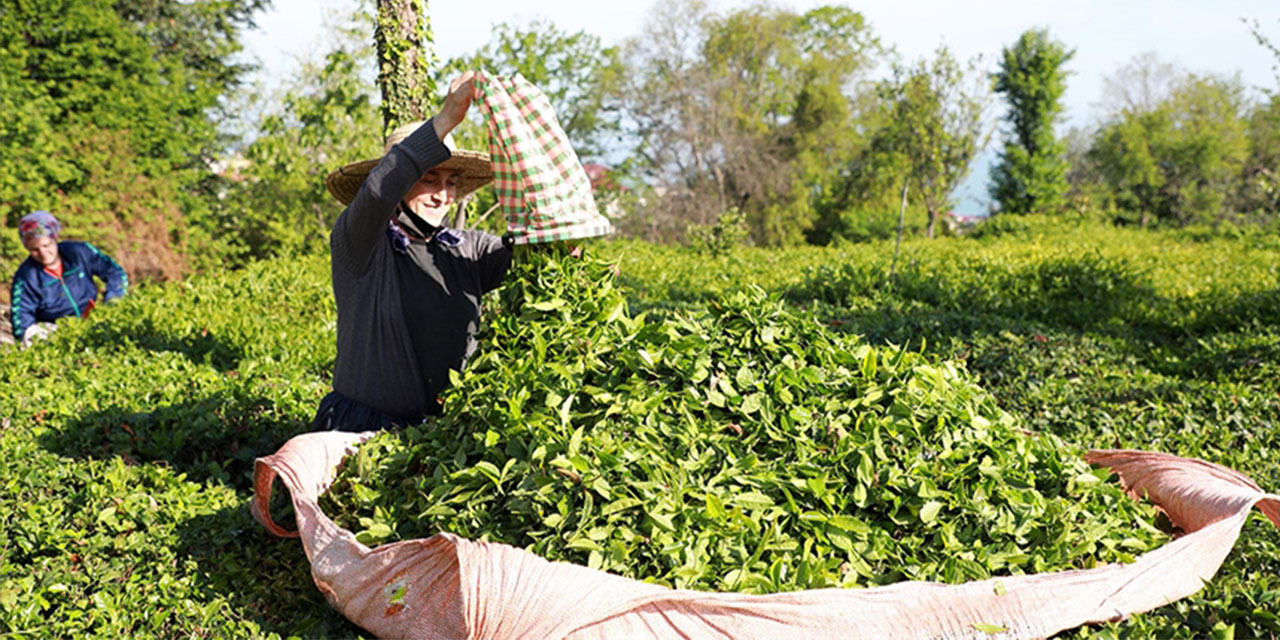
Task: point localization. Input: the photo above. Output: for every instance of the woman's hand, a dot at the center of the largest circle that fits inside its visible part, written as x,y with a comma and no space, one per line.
462,90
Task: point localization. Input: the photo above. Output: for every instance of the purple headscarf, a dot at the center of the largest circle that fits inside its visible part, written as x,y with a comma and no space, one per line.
38,224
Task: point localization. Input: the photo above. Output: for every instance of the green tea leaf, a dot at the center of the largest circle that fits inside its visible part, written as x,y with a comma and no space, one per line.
753,500
929,512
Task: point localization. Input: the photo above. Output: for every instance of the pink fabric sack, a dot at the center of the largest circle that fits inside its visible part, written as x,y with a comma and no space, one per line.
446,587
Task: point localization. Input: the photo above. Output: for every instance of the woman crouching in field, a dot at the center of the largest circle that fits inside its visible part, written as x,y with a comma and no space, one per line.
56,280
407,288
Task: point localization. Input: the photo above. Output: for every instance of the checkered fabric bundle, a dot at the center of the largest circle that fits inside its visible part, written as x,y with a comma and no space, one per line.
541,186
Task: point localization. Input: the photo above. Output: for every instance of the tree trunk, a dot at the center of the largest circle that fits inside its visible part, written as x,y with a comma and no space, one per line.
460,211
897,246
406,59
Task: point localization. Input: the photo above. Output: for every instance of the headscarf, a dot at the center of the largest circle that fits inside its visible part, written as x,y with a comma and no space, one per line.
38,224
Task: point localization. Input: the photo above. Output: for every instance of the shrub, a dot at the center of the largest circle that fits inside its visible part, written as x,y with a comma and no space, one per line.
729,231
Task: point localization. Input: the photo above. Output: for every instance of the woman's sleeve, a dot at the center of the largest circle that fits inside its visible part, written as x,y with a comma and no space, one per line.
101,265
494,259
364,221
22,315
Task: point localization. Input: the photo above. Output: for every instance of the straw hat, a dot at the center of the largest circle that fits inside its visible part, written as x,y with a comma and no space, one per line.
474,170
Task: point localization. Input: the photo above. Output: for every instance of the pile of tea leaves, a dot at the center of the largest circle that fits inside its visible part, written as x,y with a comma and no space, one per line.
744,447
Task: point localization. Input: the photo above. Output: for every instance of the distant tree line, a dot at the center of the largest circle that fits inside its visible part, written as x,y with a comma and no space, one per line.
760,116
1175,147
762,123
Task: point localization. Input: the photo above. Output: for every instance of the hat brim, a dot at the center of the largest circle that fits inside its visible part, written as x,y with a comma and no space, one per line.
472,167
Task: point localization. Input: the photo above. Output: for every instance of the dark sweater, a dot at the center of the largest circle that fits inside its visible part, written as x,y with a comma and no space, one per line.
405,320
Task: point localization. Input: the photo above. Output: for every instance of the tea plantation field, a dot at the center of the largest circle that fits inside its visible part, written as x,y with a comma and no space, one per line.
129,437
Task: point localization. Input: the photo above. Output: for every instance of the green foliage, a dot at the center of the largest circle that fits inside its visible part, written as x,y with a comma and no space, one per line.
997,226
195,40
276,203
132,215
1259,197
1180,161
749,109
406,62
103,96
1030,175
869,222
1180,355
742,448
129,439
931,130
718,239
129,436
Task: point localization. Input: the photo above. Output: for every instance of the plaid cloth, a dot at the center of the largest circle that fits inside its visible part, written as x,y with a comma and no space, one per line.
541,186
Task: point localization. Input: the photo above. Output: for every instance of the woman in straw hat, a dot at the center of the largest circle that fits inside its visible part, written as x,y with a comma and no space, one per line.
407,288
56,281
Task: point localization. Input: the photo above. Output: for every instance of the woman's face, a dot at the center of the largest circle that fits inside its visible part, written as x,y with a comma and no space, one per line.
44,250
432,196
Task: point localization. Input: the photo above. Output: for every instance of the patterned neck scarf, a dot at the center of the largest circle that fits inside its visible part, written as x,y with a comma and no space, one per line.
400,238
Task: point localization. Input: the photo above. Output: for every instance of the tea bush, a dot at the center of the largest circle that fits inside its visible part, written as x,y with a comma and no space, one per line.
128,442
129,435
1178,351
730,230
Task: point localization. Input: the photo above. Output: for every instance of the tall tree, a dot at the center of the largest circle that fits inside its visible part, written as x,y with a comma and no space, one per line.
406,62
1140,85
1181,161
1259,195
721,107
933,125
327,113
1030,175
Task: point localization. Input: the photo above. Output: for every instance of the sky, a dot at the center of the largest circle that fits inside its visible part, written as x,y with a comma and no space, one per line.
1202,36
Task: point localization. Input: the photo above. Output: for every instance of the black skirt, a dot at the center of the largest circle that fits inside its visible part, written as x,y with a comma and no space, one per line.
340,413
